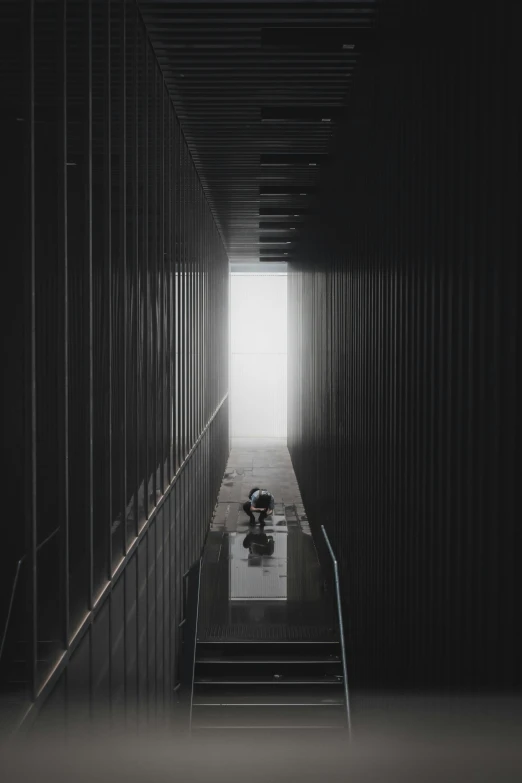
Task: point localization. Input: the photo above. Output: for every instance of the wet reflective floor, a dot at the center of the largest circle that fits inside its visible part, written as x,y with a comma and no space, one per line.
248,596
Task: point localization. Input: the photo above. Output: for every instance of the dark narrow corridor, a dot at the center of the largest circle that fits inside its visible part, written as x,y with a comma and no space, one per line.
155,151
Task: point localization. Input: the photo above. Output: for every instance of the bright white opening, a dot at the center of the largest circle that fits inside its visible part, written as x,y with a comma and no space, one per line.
258,355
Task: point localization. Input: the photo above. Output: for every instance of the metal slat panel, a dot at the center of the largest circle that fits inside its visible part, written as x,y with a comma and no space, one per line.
224,65
119,235
402,412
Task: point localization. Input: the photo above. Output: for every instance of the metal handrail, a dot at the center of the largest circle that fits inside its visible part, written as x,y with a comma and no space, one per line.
15,585
195,644
11,602
341,631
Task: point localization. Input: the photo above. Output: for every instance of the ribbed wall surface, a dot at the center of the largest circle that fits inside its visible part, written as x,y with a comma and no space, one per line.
117,412
403,356
234,67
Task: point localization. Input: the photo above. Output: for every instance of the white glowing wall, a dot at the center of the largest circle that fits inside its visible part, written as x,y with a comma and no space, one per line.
258,355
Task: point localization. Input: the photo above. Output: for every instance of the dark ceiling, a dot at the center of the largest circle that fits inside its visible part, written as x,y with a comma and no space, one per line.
257,87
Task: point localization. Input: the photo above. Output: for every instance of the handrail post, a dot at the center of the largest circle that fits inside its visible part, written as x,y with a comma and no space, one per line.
15,585
10,607
341,631
196,622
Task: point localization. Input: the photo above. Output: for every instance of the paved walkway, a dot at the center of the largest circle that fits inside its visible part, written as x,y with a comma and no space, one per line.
247,597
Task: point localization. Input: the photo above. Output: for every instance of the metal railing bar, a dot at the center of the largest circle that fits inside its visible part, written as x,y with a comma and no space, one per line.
10,608
15,584
46,540
195,644
75,640
341,630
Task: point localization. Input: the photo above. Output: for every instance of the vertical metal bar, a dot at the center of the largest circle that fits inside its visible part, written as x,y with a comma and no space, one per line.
183,309
123,250
201,240
136,250
31,514
202,305
108,280
197,395
191,314
88,265
62,180
197,204
190,238
169,292
179,312
175,309
156,216
146,319
169,186
123,502
203,314
170,346
152,280
207,320
186,303
163,310
195,390
201,421
146,351
158,380
188,321
175,272
173,294
108,219
193,302
154,274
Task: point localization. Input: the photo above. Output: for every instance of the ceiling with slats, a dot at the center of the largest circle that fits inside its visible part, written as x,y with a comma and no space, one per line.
257,87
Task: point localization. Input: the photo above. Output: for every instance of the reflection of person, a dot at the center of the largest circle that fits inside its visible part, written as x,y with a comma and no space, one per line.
259,500
258,543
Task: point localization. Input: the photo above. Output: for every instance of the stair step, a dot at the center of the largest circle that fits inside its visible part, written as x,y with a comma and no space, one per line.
258,657
268,681
304,693
257,665
266,672
268,715
257,649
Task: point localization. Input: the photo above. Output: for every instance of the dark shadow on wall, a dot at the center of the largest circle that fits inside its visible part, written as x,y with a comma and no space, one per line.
403,358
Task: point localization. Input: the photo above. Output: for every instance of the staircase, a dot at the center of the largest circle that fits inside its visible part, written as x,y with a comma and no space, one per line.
274,686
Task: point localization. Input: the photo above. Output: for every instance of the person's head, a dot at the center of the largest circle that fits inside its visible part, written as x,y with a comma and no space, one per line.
263,500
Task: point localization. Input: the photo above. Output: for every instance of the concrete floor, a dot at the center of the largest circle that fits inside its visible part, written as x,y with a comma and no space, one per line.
262,462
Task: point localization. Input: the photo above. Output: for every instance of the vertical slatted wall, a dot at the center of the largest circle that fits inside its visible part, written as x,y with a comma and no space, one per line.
403,389
116,414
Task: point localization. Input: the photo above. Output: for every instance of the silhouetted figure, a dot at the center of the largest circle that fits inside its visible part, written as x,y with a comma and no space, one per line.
258,543
259,500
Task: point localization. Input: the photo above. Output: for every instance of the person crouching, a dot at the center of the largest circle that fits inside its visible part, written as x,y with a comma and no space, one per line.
259,500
